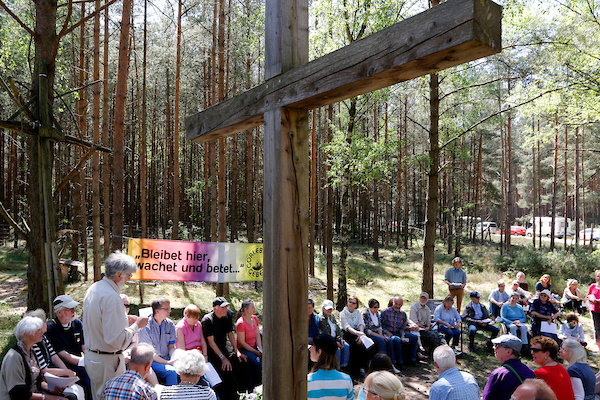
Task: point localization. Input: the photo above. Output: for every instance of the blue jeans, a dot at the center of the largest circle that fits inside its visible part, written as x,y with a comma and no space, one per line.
450,333
412,341
255,363
384,346
343,355
396,353
166,372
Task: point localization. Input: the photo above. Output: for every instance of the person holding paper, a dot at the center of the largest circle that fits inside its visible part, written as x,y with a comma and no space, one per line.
544,351
131,384
478,318
20,374
160,333
594,298
456,279
65,332
218,327
394,322
353,327
190,367
514,317
108,328
249,340
47,357
543,313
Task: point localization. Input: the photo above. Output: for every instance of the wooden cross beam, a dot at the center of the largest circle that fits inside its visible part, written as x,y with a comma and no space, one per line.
444,36
449,34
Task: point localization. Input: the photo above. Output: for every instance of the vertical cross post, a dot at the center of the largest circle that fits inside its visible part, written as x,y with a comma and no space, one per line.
286,159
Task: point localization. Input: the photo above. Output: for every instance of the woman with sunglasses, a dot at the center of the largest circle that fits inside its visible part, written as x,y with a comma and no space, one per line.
544,352
353,327
383,385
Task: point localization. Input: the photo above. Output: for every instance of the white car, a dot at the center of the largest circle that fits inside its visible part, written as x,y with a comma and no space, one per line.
588,233
486,227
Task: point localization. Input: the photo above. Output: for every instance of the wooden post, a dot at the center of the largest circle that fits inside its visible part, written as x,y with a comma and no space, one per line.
286,155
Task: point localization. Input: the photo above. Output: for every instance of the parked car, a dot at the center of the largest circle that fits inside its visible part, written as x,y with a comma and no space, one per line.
517,230
486,227
588,233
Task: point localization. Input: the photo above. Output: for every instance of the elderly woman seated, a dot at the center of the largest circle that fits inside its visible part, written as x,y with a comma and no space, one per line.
190,367
21,375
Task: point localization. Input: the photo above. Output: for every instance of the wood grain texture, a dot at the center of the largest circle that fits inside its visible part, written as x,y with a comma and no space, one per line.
285,254
444,36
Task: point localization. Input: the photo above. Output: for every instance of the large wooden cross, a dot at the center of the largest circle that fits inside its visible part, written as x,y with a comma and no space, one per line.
447,35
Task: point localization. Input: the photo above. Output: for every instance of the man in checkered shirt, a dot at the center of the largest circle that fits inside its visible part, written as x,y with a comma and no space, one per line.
131,385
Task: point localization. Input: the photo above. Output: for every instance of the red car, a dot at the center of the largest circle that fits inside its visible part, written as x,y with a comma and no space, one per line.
516,230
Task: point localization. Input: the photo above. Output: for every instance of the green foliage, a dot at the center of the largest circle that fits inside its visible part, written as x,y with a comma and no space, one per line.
577,264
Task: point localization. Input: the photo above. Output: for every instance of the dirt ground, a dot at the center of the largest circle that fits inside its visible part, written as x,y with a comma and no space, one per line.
416,381
12,293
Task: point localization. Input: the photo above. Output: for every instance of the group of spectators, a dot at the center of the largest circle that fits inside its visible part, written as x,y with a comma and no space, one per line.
176,355
164,359
361,335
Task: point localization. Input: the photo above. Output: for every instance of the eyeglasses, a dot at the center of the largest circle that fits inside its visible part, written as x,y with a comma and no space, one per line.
366,391
167,309
127,305
535,350
351,302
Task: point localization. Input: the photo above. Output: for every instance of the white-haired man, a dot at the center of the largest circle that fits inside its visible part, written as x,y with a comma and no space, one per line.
452,384
131,385
65,333
108,329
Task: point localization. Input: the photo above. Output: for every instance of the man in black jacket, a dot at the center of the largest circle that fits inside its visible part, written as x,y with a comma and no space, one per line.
478,318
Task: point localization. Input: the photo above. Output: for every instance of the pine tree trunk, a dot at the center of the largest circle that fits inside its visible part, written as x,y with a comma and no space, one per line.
119,127
175,216
313,194
328,222
554,182
342,298
432,186
576,187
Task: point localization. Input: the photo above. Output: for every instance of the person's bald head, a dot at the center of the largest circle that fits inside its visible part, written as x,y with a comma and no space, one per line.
533,389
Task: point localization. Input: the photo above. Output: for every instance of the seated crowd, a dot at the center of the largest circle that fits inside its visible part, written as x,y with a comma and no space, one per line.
170,360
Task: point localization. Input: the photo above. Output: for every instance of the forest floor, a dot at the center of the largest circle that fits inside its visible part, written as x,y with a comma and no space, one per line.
397,272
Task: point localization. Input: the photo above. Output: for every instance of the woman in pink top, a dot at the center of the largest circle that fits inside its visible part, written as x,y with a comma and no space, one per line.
249,340
189,331
594,298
